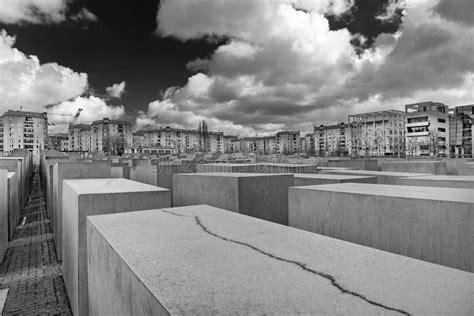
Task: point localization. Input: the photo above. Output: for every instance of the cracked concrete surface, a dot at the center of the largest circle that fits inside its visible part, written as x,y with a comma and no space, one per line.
233,268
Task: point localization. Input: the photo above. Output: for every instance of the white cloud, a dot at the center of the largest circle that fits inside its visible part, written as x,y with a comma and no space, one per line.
84,15
33,11
24,81
282,65
116,90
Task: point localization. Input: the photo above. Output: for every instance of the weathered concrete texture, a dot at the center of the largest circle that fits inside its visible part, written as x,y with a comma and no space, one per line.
316,179
426,223
262,196
459,167
383,177
3,213
462,182
429,167
120,170
3,297
228,167
286,168
362,164
199,260
13,203
15,165
63,171
83,198
160,173
322,169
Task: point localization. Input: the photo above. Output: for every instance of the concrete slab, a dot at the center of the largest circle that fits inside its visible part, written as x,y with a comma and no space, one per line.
228,167
3,213
383,177
13,204
429,167
15,164
426,223
263,196
3,299
316,179
362,164
286,168
76,170
120,170
199,260
82,198
463,182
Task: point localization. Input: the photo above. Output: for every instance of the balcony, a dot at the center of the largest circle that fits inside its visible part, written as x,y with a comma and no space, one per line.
415,134
416,124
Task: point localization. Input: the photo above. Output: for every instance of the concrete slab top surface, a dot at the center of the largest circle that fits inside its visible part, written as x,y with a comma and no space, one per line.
10,174
230,164
110,185
204,260
337,168
380,173
235,175
276,164
401,191
443,178
330,176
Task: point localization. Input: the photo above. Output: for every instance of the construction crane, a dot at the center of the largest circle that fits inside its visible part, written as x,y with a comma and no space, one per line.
72,122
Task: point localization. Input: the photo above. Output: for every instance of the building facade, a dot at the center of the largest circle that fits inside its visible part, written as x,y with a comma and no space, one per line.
332,140
28,130
377,134
288,142
461,131
427,129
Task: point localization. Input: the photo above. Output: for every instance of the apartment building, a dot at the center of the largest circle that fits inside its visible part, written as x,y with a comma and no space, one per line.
427,129
380,133
228,144
461,130
28,130
288,142
104,136
1,134
332,140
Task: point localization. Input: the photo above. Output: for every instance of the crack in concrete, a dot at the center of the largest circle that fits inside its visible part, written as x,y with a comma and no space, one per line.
303,266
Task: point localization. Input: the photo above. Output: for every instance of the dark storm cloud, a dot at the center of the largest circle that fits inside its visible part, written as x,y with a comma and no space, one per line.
461,11
369,19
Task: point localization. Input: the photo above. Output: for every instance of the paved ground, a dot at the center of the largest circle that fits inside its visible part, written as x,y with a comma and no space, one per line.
30,269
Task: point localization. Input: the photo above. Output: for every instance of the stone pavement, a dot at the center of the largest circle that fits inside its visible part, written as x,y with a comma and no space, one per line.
30,269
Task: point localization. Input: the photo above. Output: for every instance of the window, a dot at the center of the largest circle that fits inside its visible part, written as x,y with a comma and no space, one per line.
441,129
441,120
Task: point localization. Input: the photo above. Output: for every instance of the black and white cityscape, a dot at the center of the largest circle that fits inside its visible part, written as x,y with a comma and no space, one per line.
247,157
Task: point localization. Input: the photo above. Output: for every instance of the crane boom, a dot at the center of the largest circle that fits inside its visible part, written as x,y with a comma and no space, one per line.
76,117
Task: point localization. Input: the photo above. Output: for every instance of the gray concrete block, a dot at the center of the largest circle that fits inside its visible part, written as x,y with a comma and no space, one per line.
15,164
461,182
13,203
383,177
76,170
199,260
82,198
3,213
428,167
263,196
362,164
426,223
228,167
316,179
120,170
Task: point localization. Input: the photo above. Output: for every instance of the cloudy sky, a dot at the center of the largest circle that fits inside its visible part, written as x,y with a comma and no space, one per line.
246,66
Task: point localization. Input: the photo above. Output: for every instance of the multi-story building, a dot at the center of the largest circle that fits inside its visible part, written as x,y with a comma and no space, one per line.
461,130
79,138
60,141
228,145
332,140
427,129
111,136
28,130
104,136
379,133
1,134
288,142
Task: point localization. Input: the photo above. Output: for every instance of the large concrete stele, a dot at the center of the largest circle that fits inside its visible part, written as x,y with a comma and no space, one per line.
429,167
200,260
82,198
263,196
426,223
383,177
13,203
77,170
465,182
3,213
302,179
